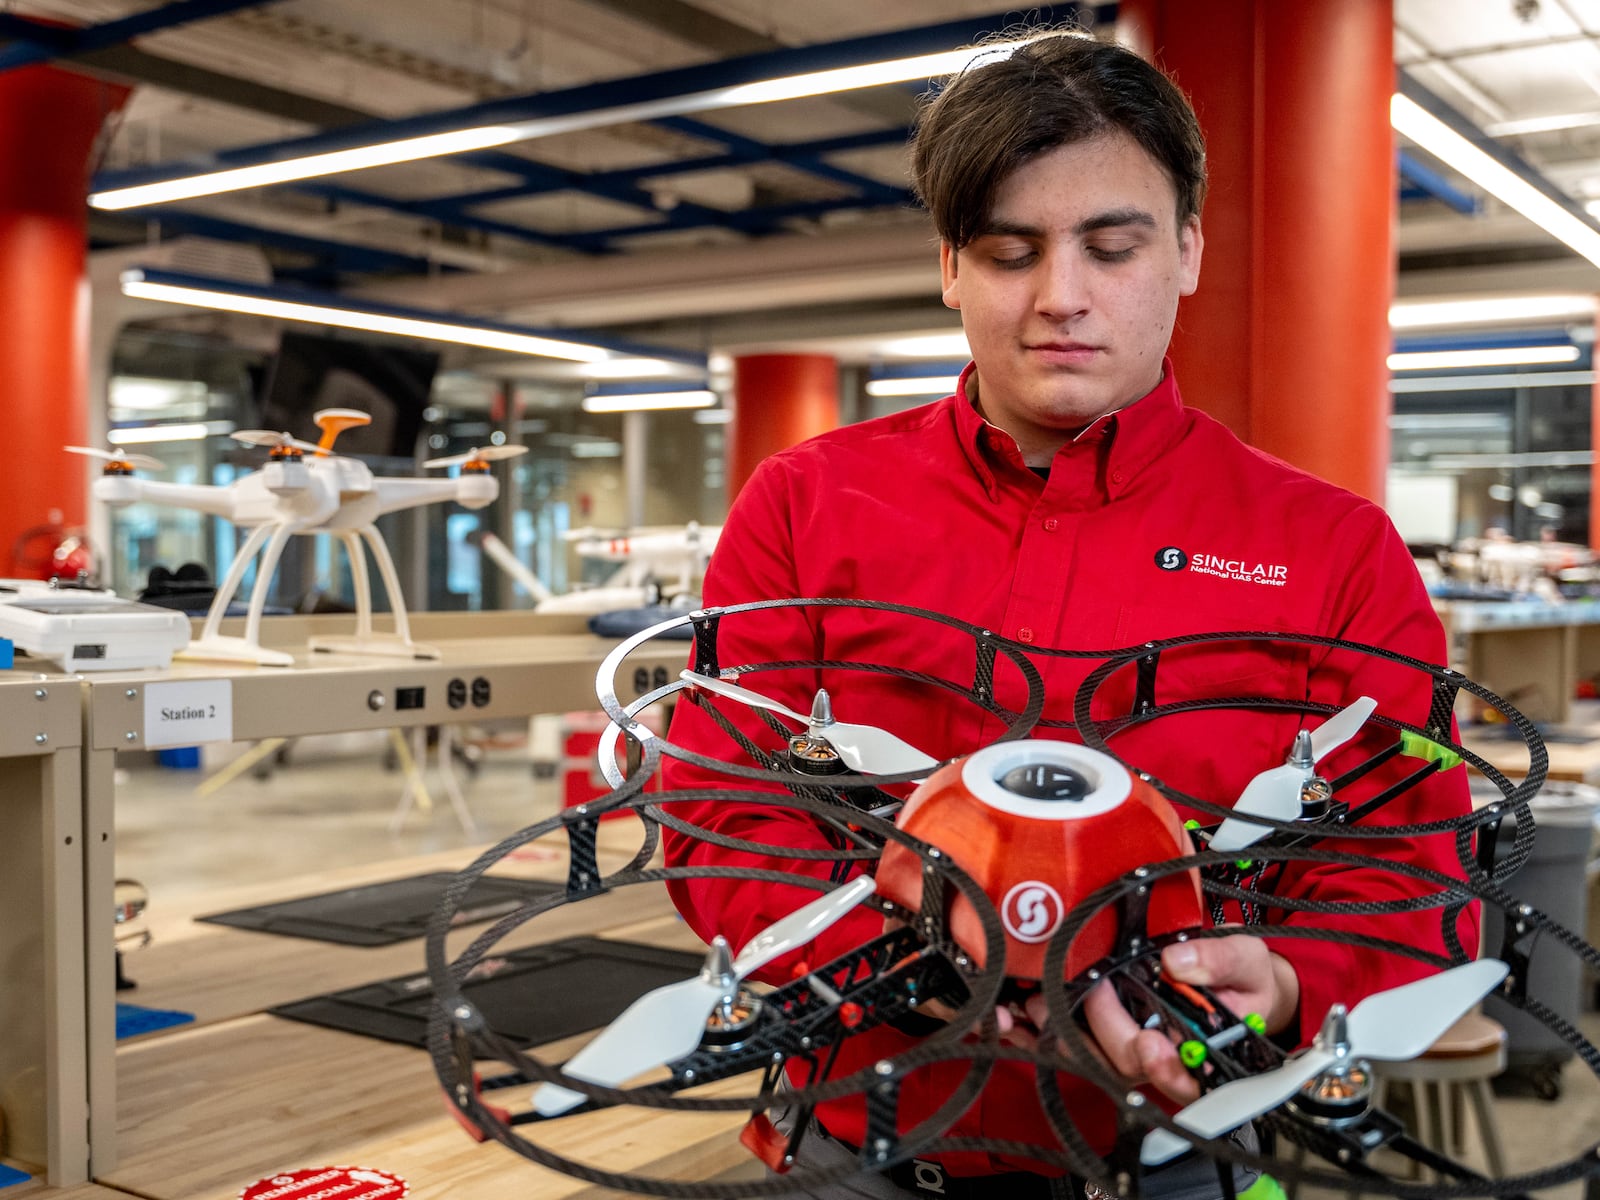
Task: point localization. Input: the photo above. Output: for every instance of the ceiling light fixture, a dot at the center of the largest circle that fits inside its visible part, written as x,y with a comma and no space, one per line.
188,432
648,401
459,141
925,385
1457,151
334,310
1499,356
1489,310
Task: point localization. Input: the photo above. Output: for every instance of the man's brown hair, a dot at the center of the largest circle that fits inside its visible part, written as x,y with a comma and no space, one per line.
1060,88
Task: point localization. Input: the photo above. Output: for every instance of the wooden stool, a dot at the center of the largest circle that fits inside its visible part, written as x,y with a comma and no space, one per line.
1454,1069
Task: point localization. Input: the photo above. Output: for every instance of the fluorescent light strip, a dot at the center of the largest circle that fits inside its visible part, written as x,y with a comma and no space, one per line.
648,401
927,385
1433,135
1502,356
814,83
1434,314
133,284
193,432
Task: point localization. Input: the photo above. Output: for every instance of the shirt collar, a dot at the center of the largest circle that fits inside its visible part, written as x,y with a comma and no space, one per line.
1130,438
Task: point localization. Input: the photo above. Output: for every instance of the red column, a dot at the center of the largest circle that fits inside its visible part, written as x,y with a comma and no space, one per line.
49,122
1287,337
779,400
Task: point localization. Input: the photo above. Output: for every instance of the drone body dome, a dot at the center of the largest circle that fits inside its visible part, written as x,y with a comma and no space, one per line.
1040,825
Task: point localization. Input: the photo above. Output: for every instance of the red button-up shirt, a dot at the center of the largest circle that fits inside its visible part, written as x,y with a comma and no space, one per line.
1155,521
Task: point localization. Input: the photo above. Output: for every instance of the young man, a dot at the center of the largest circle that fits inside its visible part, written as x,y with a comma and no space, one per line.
1064,497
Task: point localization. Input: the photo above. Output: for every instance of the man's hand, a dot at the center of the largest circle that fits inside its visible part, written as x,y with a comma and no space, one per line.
1240,971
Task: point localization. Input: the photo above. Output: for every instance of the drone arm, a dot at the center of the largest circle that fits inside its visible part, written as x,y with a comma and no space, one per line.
200,497
1383,603
398,494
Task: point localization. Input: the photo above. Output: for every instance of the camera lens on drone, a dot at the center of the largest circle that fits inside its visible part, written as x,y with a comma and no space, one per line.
1045,781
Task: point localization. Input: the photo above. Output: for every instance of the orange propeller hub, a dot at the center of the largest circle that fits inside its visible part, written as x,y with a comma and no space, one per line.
1040,825
334,421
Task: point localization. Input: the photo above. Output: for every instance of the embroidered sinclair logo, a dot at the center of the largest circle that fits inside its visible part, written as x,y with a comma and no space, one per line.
1241,570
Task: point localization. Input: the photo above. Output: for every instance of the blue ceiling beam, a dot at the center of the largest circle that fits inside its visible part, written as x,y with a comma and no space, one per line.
813,164
341,256
1419,181
34,42
661,85
298,295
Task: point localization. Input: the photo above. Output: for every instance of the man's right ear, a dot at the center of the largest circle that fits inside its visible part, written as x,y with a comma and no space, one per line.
947,275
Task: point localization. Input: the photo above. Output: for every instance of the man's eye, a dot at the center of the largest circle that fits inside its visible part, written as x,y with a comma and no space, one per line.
1013,262
1112,253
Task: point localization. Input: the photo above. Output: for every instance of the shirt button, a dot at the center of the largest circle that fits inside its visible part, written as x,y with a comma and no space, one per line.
1116,477
1050,524
1024,634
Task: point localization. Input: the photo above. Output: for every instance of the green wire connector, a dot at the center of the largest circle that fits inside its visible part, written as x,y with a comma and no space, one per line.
1191,824
1192,1053
1255,1023
1244,864
1414,745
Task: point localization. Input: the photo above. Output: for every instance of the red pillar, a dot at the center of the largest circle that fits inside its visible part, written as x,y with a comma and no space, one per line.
1287,337
49,123
779,400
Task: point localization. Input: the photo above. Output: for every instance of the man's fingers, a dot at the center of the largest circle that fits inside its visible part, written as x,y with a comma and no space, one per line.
1113,1028
1159,1063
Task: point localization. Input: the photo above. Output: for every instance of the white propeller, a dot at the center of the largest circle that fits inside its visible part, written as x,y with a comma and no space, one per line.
1275,793
862,747
274,438
477,454
1391,1026
668,1023
141,461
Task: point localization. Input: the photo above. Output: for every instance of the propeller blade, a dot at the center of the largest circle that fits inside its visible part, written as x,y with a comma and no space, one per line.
656,1028
744,695
1403,1022
668,1023
1231,1105
477,454
142,461
802,925
1274,793
874,751
1341,727
274,437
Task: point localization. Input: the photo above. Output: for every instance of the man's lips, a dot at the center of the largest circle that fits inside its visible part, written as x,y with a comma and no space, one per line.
1062,352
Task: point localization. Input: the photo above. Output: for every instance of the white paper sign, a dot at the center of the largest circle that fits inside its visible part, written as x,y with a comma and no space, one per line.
186,713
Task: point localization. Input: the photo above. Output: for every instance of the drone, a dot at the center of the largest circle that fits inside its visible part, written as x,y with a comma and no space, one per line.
586,601
304,488
960,895
647,555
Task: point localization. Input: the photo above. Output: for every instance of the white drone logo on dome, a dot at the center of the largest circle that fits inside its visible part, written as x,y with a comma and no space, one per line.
1032,910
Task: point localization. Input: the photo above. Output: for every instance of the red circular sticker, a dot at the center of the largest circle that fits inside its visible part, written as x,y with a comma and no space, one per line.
328,1183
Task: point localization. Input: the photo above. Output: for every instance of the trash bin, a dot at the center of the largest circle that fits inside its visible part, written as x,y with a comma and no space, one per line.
1555,881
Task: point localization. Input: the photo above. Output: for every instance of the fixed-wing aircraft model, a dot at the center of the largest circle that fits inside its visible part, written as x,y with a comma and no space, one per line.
305,489
984,910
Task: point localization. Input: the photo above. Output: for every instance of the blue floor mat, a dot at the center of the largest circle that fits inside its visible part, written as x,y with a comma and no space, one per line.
10,1175
133,1020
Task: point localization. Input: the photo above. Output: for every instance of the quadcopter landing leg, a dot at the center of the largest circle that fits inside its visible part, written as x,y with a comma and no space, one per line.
395,645
248,649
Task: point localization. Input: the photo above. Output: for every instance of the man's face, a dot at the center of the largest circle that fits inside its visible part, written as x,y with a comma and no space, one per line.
1069,294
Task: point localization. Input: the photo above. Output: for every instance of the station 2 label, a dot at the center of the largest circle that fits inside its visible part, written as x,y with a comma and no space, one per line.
188,712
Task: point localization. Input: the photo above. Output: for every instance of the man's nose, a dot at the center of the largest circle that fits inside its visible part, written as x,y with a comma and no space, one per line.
1063,286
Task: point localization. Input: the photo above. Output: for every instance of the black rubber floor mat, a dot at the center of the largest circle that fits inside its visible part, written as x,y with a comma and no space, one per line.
532,996
382,913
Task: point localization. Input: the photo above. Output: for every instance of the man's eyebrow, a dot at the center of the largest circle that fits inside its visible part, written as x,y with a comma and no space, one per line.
1116,217
1112,218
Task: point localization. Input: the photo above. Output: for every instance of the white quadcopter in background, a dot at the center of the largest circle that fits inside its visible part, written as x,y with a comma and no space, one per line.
584,601
305,489
651,554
